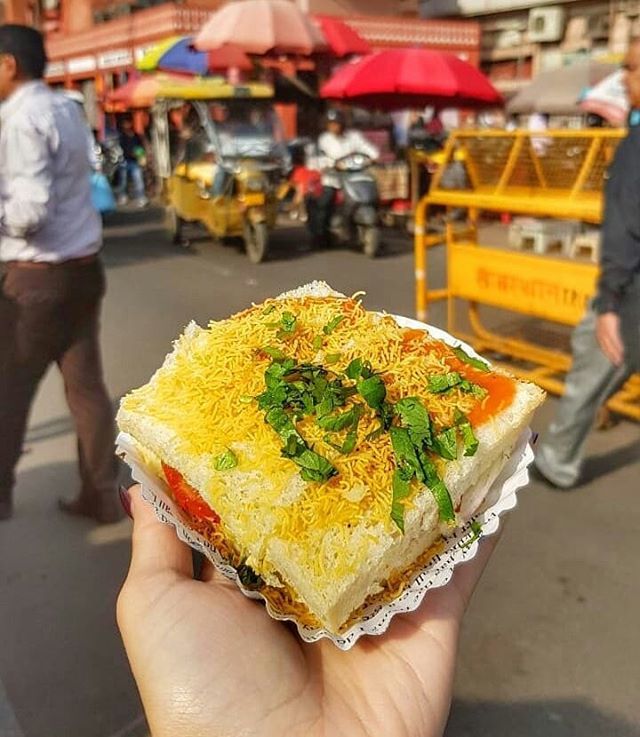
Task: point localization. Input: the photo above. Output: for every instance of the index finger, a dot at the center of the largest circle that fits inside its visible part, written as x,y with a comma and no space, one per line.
155,545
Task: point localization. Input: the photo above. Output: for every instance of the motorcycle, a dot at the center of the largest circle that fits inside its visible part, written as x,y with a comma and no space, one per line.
355,217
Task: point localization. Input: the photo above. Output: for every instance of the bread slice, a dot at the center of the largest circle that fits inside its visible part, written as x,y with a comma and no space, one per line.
328,545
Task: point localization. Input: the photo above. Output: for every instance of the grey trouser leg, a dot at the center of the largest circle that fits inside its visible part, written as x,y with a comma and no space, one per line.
591,380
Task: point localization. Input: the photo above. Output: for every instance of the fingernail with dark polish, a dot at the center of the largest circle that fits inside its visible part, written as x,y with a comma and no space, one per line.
125,500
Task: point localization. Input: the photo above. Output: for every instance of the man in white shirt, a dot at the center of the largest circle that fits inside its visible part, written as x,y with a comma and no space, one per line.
334,144
52,280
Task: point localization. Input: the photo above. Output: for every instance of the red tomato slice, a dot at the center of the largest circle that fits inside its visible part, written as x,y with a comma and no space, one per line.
187,497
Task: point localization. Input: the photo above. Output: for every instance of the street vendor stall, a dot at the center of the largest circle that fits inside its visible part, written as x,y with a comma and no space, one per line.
511,173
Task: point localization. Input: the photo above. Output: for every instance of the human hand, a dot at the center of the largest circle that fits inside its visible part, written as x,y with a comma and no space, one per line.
209,662
610,338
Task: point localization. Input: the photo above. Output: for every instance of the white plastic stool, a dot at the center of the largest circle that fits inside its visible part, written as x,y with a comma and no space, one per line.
586,244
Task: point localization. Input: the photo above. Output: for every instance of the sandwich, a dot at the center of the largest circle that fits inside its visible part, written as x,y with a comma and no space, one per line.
324,450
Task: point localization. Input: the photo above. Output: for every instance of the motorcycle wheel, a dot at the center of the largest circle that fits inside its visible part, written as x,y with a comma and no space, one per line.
256,241
370,240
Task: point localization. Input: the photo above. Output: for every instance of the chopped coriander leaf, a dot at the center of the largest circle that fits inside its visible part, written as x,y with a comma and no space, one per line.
439,383
367,370
401,490
350,441
325,406
443,500
283,425
273,352
275,397
429,468
292,447
315,467
347,446
225,461
268,310
317,342
385,414
413,415
478,391
373,391
354,369
445,444
336,423
333,324
359,369
332,358
468,386
287,325
475,362
468,438
405,451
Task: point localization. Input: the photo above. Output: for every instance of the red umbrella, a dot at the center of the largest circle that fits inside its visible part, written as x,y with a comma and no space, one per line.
261,27
229,56
401,78
341,38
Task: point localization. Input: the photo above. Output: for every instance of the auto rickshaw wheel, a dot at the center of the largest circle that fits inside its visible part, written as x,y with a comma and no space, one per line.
256,241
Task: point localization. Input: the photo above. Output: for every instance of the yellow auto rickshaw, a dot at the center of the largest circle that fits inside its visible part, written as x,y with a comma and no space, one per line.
221,158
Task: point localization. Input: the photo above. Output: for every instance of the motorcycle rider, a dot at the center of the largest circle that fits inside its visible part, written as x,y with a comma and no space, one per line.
334,144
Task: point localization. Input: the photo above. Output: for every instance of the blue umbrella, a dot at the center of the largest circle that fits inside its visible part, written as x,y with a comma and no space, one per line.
175,55
184,58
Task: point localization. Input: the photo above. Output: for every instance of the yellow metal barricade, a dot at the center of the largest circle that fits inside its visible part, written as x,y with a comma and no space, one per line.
550,174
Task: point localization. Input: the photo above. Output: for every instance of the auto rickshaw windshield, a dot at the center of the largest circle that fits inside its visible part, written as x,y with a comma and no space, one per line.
246,129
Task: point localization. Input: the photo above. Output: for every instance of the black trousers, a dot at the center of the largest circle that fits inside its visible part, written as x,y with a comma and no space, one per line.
52,314
320,210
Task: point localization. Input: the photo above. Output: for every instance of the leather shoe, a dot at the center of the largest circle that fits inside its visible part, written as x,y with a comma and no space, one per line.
104,510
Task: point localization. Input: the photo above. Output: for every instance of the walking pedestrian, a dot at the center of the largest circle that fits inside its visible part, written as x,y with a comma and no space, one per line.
134,155
606,344
52,279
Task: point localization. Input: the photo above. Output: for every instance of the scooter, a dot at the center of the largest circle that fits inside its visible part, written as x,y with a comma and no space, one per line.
355,218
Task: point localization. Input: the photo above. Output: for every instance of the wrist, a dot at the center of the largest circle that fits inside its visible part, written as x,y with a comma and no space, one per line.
606,302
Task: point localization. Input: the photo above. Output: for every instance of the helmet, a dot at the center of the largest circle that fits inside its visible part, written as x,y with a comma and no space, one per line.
335,116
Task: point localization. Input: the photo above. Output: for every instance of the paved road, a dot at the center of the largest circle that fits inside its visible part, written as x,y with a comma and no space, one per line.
549,647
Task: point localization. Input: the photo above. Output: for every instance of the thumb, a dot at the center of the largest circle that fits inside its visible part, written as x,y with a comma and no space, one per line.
155,545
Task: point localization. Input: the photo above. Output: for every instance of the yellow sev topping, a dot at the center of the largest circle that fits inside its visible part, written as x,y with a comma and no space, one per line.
202,396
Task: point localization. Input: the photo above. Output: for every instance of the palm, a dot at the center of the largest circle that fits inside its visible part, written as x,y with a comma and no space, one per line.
209,661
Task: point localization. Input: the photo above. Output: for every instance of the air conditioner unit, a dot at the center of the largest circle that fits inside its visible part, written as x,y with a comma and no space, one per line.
546,24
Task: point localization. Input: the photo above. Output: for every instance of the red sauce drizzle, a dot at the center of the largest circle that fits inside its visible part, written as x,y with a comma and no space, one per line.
186,497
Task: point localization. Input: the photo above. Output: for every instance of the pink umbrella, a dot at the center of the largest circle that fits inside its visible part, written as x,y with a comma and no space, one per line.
401,78
261,27
137,92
